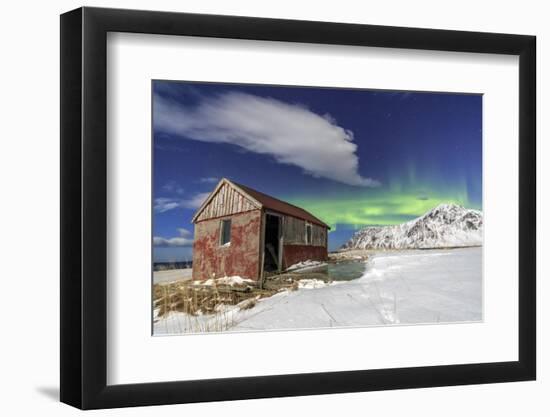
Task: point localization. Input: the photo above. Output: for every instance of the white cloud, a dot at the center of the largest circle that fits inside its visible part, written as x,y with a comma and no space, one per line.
209,180
183,240
172,187
164,204
291,133
172,242
184,232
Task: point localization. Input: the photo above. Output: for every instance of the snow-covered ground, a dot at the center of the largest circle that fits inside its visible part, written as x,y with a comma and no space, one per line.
398,287
172,275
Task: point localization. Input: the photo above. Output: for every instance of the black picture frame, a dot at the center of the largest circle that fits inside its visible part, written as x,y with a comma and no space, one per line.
84,207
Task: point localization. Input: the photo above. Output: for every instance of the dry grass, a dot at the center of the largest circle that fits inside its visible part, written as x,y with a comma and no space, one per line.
196,299
206,306
248,304
217,323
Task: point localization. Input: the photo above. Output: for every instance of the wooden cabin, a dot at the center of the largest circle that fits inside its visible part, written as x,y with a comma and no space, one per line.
241,231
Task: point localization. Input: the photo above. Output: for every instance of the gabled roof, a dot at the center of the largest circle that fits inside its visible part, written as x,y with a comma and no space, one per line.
265,201
280,206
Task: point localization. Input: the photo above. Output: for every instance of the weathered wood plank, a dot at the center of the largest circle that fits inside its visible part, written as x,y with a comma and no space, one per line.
225,202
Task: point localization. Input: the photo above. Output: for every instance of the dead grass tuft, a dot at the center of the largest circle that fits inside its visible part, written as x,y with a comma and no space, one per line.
193,299
197,299
248,304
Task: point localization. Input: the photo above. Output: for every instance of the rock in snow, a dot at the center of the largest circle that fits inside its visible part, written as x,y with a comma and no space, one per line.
447,225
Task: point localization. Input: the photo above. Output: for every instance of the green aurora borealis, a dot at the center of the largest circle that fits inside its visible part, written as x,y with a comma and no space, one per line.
385,205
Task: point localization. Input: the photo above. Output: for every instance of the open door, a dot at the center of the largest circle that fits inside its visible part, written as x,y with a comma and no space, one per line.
272,246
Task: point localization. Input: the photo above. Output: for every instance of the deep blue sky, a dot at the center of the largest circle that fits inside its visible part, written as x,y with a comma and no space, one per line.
351,157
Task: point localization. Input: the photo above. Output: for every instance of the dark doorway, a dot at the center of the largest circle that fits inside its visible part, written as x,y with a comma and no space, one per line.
272,248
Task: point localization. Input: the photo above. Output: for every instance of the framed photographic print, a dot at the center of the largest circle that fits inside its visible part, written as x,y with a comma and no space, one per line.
257,208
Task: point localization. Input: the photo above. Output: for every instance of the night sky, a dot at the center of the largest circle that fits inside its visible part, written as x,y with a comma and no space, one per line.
351,157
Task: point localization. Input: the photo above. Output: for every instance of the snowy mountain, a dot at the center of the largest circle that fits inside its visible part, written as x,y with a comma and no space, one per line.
447,225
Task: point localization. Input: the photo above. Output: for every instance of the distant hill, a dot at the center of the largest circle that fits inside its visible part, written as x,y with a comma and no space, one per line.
447,225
